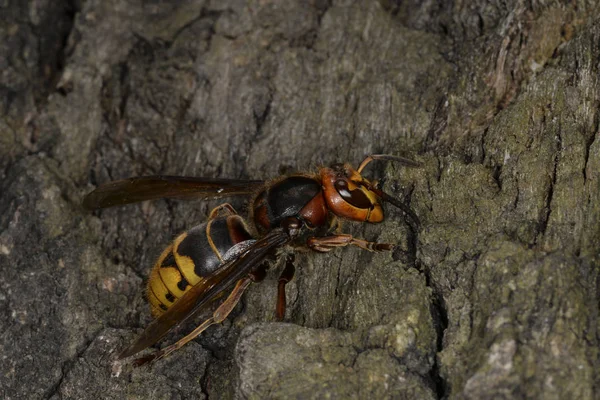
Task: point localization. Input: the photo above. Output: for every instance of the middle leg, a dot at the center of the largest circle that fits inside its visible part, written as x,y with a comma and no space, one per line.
286,275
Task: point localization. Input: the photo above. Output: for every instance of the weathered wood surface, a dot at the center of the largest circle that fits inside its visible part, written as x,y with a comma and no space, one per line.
495,296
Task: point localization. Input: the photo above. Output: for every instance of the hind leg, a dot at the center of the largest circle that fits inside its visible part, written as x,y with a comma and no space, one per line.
218,316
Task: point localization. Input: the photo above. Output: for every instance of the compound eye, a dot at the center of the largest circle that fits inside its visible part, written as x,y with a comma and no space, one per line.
355,197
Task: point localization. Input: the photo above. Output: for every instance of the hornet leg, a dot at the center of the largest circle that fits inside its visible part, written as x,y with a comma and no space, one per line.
218,316
286,275
224,209
328,243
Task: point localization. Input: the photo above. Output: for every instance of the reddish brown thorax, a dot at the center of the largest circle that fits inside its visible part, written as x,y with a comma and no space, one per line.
292,196
347,195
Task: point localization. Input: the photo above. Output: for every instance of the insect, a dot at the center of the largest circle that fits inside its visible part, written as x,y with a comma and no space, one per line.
227,253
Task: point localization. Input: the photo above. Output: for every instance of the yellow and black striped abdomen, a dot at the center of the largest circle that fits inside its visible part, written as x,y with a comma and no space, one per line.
194,255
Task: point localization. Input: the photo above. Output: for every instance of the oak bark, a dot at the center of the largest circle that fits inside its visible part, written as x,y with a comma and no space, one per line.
494,296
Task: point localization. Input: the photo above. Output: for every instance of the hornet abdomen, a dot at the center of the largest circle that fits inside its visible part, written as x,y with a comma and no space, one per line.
191,257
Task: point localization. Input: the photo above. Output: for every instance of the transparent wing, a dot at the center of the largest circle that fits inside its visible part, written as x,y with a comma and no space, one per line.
138,189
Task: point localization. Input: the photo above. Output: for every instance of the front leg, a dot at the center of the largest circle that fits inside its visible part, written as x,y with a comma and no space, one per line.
328,243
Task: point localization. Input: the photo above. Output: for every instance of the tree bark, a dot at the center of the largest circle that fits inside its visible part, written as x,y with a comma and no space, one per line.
495,295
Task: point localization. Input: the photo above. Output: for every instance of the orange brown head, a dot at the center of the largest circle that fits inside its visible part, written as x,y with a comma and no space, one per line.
349,195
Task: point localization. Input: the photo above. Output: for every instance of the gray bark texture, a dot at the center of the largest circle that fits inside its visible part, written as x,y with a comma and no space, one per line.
494,296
